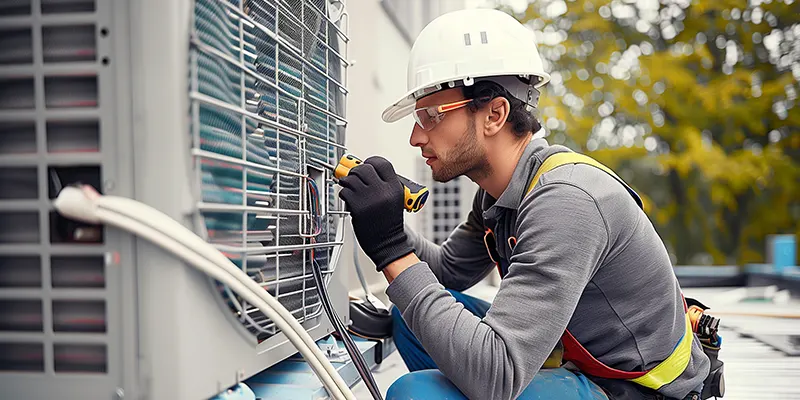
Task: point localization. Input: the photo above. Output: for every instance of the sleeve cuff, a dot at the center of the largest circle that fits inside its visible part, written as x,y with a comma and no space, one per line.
409,283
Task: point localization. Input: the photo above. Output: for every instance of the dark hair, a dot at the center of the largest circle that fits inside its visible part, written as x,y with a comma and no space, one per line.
522,121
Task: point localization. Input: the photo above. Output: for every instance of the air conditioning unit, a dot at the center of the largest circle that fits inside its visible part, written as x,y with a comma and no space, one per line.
218,113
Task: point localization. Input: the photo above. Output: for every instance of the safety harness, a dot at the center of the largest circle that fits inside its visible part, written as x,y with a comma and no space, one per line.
569,349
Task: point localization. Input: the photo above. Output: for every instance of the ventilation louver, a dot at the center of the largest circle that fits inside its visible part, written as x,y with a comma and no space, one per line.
252,106
53,284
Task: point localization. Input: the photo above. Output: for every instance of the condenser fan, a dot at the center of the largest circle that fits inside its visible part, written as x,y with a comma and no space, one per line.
268,99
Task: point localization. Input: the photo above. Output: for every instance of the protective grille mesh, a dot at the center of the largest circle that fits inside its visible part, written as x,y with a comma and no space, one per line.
268,96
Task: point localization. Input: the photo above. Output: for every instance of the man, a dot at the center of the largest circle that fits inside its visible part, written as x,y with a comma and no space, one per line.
575,250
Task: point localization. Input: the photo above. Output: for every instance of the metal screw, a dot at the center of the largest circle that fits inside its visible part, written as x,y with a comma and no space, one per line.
119,393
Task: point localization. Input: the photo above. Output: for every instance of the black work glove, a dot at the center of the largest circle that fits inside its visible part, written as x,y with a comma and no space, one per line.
374,196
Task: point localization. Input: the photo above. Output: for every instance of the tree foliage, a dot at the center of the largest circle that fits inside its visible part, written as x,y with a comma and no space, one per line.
692,102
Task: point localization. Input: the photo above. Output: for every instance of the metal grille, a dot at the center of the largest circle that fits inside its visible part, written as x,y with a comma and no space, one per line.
54,313
446,209
451,203
267,100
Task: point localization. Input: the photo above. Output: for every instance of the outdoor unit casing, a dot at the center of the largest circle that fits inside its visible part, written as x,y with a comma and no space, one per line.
210,111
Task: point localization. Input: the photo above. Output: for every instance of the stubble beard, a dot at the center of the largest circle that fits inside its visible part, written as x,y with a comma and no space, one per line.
468,159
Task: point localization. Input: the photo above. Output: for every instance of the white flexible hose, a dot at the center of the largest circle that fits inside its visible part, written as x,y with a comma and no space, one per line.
142,220
171,228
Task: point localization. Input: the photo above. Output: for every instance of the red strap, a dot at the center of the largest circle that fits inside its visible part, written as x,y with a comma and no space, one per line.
578,355
486,234
585,361
573,350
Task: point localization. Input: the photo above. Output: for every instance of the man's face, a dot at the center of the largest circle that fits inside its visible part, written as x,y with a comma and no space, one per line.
453,147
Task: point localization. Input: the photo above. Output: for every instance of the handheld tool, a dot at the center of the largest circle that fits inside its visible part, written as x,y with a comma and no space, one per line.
415,194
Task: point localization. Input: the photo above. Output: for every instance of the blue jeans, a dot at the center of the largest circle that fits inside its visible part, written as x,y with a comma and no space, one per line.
425,381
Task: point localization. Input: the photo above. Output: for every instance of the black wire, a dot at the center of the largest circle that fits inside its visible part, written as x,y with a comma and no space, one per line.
349,344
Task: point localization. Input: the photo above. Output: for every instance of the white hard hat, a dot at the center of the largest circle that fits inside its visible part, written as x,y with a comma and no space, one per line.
463,46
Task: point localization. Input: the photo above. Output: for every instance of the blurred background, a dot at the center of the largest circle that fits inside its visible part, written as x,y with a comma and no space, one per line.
693,103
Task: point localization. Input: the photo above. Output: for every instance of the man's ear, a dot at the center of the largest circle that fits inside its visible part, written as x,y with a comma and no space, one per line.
496,116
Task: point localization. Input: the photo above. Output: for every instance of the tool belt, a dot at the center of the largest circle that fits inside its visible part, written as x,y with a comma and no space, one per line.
705,327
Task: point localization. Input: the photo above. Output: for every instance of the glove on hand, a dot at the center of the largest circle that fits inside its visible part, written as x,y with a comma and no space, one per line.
374,196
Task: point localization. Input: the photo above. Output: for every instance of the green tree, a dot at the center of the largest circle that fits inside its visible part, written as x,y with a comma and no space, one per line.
692,102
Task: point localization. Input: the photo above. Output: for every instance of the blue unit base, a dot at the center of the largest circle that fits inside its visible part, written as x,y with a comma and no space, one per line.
294,379
238,392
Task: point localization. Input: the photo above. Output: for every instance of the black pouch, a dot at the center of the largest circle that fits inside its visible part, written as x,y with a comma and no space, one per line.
706,331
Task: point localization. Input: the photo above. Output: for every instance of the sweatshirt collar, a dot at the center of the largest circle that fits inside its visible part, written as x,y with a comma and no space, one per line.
511,198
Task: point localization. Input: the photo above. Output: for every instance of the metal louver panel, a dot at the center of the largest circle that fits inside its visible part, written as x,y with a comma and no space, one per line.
267,100
54,288
221,103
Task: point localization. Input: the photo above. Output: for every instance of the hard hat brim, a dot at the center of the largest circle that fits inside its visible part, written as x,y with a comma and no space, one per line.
400,109
405,105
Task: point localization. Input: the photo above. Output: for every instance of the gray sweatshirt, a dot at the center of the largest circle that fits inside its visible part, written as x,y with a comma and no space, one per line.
587,258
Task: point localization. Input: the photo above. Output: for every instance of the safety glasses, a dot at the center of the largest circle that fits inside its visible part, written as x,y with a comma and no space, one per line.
428,117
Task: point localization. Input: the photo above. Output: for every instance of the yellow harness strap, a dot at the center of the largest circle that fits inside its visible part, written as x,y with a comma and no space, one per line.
674,365
559,159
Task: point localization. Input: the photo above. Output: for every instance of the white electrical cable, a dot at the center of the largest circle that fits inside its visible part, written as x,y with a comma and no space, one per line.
89,206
